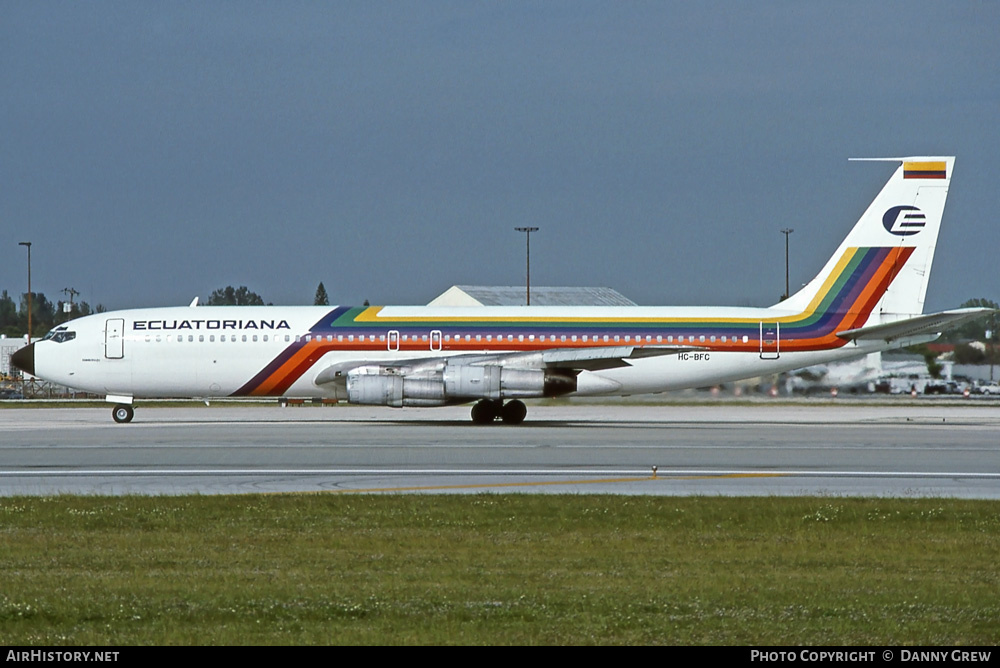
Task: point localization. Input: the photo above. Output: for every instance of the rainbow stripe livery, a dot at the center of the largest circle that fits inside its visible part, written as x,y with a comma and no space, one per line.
846,302
868,297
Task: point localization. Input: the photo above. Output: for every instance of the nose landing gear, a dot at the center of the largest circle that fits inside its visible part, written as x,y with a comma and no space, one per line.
122,413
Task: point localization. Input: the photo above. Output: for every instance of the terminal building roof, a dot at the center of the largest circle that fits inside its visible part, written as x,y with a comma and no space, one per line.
514,295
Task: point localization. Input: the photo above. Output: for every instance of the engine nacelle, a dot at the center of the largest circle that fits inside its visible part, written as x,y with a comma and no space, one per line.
384,386
396,391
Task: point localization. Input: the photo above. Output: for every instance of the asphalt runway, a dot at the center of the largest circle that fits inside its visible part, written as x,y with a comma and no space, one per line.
702,449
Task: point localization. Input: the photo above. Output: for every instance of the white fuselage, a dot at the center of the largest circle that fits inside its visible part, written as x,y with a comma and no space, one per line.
217,351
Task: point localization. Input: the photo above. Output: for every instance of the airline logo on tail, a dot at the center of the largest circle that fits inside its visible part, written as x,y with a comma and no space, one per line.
903,221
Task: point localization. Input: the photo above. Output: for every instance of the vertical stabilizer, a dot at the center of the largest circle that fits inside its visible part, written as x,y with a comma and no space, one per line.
904,219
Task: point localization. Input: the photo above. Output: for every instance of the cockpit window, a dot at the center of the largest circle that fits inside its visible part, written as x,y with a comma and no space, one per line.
59,335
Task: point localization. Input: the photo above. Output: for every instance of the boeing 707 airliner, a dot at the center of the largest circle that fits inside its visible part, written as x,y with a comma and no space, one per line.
868,297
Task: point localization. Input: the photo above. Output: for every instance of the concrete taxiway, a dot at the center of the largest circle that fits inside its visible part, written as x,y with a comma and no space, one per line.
710,449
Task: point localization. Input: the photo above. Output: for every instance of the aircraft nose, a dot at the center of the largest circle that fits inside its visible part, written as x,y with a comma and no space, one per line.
24,359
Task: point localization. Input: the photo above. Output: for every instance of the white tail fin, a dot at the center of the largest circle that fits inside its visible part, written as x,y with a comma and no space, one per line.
903,220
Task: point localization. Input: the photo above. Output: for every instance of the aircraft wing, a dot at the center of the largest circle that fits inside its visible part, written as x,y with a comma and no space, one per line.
583,359
569,359
931,323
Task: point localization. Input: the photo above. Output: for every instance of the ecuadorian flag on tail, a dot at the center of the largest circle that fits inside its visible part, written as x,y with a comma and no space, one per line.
924,170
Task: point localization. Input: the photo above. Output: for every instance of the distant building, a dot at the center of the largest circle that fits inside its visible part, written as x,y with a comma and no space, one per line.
512,295
7,348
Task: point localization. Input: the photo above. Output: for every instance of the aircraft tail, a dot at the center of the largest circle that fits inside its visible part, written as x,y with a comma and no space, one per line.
879,273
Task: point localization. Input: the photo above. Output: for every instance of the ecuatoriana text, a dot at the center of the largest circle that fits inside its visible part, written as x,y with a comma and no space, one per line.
209,324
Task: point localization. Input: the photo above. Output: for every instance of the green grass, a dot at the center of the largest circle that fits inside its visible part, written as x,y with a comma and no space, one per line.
497,569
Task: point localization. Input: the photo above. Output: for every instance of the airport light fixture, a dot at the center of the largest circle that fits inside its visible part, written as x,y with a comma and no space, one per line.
527,236
28,245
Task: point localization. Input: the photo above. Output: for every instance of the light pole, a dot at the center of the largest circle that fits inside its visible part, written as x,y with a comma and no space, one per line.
527,237
28,245
991,339
786,232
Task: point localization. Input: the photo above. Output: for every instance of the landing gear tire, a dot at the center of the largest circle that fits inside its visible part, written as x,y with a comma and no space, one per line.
514,412
122,413
485,411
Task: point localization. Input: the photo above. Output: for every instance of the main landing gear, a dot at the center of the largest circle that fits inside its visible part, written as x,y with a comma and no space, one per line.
486,411
122,413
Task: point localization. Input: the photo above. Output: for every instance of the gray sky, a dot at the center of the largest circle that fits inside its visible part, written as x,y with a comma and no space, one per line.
154,151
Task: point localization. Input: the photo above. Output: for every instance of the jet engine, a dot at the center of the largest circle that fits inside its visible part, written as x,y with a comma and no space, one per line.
447,384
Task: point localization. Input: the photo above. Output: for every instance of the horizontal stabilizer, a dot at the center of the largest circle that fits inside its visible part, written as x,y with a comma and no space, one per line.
931,323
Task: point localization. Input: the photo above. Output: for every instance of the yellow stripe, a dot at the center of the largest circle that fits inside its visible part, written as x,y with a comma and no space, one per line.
924,166
372,313
830,280
433,488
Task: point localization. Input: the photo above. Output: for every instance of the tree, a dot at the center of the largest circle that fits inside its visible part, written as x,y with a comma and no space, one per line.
43,313
76,310
229,296
321,297
934,367
8,316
